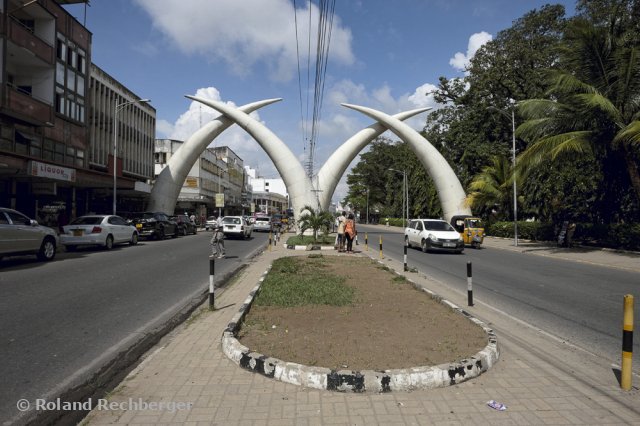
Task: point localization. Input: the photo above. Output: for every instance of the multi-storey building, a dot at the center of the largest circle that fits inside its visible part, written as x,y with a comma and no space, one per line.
269,195
111,103
235,196
57,119
214,185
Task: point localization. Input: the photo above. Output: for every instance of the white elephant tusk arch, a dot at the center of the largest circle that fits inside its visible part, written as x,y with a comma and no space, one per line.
449,189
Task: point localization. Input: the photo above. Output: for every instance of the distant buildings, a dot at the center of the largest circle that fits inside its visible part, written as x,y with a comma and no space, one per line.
60,116
269,195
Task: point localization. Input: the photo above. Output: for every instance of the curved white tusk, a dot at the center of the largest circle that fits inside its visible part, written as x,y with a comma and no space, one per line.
168,184
449,189
335,166
295,179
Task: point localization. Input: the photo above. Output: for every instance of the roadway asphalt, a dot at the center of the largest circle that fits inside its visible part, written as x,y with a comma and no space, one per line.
187,379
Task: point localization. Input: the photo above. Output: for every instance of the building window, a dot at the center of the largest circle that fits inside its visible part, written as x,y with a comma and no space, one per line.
70,79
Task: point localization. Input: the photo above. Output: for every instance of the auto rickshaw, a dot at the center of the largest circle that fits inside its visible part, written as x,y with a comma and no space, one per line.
470,228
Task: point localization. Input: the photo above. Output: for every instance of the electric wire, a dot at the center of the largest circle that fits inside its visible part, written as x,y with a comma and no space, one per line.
302,122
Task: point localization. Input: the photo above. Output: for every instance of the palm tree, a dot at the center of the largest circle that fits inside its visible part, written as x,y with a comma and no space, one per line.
593,103
314,219
491,188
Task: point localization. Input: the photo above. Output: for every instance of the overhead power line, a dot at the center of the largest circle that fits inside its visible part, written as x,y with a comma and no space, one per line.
325,25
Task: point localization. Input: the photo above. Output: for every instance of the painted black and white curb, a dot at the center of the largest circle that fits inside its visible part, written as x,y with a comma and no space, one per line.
310,247
406,379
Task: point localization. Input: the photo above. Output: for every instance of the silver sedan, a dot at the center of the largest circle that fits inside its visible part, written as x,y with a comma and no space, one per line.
98,230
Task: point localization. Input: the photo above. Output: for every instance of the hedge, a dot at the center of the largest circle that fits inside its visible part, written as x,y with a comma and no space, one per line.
616,235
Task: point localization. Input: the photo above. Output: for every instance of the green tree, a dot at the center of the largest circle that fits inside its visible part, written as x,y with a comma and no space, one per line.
314,219
491,191
591,107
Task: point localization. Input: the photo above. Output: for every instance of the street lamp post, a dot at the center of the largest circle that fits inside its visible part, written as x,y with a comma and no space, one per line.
405,195
367,205
513,162
118,108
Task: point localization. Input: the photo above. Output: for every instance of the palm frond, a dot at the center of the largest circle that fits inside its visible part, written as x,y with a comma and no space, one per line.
536,108
554,146
565,83
629,135
598,101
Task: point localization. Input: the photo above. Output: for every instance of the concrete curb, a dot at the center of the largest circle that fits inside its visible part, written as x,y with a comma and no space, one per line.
408,379
309,247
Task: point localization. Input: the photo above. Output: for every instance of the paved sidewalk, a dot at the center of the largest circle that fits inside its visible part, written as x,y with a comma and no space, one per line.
539,379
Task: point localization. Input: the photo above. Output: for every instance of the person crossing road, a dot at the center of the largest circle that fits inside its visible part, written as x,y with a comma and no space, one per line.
217,240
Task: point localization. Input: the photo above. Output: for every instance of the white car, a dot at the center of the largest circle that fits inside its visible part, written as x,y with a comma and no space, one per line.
98,230
236,226
210,223
433,235
262,223
22,235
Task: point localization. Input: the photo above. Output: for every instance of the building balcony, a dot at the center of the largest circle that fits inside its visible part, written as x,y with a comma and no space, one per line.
22,37
25,107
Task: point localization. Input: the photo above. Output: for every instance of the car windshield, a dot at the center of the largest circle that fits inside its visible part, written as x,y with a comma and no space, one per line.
231,220
475,223
87,220
437,226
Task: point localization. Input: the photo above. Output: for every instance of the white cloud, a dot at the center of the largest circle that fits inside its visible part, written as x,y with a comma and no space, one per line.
461,61
245,33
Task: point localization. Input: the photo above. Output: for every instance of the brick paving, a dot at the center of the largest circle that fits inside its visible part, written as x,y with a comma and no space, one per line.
541,381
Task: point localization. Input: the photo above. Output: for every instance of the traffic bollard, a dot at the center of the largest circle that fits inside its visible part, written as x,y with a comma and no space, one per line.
212,272
366,242
405,257
270,235
627,343
380,246
469,286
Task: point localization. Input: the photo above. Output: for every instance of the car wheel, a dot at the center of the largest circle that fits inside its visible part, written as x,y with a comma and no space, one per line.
175,232
161,235
108,244
184,232
134,239
47,249
425,246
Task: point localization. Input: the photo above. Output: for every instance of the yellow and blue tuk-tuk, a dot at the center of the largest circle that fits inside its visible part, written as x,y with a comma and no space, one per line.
470,228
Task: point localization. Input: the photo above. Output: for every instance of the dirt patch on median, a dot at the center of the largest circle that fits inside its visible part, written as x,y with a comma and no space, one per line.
390,325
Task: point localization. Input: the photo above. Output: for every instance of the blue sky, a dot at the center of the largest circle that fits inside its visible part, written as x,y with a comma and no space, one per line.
383,54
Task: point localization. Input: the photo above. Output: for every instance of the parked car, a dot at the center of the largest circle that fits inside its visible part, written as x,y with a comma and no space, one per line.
236,226
21,235
262,223
433,234
211,223
101,230
185,225
156,225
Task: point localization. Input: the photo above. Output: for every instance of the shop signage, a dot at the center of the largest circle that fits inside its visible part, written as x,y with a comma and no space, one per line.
219,200
52,171
191,182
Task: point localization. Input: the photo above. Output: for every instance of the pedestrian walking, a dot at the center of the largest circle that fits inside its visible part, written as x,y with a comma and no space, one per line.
350,232
217,240
341,222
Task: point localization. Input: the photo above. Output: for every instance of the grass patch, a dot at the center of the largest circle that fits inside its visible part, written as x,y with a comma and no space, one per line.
303,240
399,279
296,281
